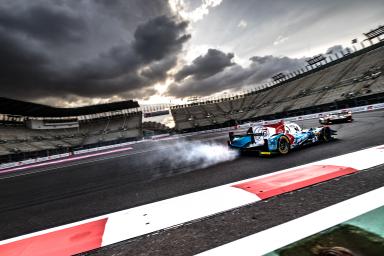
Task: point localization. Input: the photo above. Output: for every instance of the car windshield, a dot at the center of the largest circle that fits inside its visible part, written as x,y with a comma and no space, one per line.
293,128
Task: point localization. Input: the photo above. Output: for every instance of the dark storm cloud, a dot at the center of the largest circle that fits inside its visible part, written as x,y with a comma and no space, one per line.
158,70
159,37
65,49
205,66
236,76
137,65
153,48
131,11
52,25
267,66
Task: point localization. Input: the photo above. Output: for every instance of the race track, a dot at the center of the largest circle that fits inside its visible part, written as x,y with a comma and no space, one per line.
47,197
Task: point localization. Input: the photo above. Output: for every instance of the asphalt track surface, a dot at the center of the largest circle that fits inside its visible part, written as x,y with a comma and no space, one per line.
47,197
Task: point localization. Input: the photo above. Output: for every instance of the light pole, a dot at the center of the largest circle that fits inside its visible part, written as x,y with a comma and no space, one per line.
354,41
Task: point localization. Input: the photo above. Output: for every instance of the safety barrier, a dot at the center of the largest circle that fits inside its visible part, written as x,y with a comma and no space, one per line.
88,150
160,136
34,160
64,155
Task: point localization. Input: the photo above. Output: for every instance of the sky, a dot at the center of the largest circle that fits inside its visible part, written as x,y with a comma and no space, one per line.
80,52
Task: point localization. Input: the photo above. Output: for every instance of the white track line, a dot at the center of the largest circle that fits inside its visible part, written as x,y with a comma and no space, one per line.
167,213
163,214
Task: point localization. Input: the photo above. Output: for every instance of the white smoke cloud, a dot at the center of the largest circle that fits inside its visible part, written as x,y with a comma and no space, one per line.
185,156
206,154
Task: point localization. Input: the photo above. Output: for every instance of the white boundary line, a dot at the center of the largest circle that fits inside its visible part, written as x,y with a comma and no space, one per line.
161,214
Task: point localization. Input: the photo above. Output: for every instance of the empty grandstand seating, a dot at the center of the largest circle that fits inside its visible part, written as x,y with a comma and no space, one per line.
91,132
353,76
114,126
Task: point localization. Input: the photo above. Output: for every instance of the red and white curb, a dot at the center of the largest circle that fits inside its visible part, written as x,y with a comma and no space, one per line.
282,235
111,228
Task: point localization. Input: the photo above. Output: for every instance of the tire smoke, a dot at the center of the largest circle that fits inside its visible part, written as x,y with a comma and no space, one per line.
191,155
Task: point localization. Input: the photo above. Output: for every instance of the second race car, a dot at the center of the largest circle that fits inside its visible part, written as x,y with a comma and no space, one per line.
278,138
336,118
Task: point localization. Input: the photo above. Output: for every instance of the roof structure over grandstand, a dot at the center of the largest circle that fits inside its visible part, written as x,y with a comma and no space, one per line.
16,107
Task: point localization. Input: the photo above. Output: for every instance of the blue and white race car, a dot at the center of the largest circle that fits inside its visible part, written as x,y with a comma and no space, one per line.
278,138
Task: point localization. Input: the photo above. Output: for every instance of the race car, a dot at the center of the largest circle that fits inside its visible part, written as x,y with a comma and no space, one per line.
336,118
278,138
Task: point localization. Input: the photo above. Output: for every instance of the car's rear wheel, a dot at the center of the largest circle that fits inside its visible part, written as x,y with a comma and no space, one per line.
283,145
325,135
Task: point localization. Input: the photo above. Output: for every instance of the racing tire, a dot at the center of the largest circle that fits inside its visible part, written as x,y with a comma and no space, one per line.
283,145
325,135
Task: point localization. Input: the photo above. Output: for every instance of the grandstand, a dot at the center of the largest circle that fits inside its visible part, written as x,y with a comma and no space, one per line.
31,130
151,129
350,80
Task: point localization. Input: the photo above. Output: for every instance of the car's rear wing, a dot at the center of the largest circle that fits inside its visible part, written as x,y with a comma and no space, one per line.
251,135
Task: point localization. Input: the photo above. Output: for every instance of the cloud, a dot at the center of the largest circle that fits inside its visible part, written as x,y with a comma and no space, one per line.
63,26
310,25
235,77
205,66
336,49
280,39
87,50
183,9
231,76
157,71
242,24
159,37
